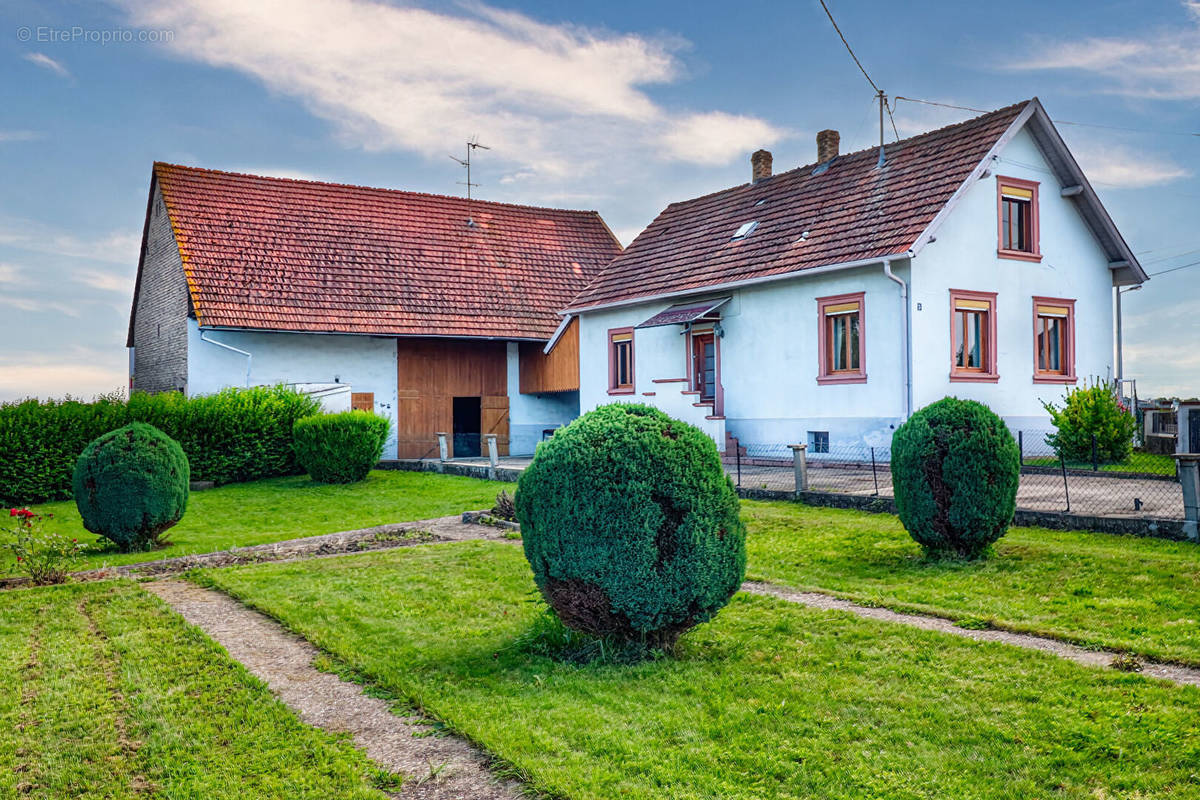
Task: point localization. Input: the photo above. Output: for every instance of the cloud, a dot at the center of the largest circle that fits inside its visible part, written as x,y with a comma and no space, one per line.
120,247
82,379
279,172
9,273
556,99
1163,65
1121,167
46,62
106,281
19,136
34,305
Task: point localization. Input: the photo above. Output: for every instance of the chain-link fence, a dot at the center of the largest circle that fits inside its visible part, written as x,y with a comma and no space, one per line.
1141,485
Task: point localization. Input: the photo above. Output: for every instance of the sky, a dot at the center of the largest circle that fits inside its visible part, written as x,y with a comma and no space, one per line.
621,107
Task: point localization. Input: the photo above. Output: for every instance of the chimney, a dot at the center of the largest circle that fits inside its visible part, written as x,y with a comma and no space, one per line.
827,145
760,165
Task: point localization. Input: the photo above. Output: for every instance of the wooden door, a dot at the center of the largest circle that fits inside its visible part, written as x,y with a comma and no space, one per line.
494,413
704,366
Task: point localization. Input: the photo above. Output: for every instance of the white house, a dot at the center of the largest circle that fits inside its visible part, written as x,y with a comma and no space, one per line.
433,311
826,303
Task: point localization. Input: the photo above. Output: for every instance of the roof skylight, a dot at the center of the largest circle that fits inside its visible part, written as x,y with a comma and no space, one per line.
746,229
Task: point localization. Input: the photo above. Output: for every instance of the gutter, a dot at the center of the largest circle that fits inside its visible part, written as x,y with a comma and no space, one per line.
905,333
249,357
722,287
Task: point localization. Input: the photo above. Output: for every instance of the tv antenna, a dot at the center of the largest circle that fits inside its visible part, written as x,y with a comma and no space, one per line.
472,145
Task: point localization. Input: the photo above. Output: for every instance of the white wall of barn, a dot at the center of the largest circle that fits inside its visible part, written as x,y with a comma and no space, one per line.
1073,266
365,363
530,415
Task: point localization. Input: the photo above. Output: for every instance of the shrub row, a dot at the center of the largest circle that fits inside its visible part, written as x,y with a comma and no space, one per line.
235,435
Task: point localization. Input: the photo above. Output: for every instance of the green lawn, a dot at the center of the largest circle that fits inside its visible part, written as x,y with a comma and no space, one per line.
106,694
1150,463
768,700
1119,592
244,514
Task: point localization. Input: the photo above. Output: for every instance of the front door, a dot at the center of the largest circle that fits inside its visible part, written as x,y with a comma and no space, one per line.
704,366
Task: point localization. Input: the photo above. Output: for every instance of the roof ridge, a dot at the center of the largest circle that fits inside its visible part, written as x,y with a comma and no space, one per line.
854,153
384,189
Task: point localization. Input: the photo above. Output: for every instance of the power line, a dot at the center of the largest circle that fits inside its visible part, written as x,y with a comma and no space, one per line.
1174,269
850,50
1056,121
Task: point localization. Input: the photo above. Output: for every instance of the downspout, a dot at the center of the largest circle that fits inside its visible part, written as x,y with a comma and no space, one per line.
905,333
249,357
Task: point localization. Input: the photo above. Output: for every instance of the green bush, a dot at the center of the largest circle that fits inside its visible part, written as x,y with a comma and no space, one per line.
1092,410
131,485
631,526
955,468
340,448
234,435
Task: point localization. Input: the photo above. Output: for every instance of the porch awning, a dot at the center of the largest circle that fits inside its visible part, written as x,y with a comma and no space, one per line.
682,313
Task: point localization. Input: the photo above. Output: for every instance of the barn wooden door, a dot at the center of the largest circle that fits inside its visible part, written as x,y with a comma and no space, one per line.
494,413
362,401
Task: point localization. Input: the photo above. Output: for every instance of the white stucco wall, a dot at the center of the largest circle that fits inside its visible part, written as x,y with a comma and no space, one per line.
530,414
365,363
769,363
1073,266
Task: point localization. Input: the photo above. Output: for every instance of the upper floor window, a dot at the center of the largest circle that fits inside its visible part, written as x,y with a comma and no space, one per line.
973,336
1053,340
620,361
1018,216
841,340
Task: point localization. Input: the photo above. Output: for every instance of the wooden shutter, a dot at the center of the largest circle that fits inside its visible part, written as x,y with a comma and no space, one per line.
362,401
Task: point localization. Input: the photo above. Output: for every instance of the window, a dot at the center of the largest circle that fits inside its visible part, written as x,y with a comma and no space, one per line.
841,339
1053,340
973,336
745,230
620,361
818,441
1018,217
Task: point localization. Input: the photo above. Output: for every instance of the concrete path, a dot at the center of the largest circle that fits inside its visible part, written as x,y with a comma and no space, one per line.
435,766
1188,676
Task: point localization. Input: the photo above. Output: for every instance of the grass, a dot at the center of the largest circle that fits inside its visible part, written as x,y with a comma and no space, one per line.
108,694
1116,592
272,510
769,699
1147,463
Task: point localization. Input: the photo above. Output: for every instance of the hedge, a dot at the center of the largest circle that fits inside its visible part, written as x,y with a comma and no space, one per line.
234,435
340,448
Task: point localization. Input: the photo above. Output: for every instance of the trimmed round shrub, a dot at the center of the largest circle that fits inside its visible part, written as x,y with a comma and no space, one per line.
339,448
955,468
131,485
631,525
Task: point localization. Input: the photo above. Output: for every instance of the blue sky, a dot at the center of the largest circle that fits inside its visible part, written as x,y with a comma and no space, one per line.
618,106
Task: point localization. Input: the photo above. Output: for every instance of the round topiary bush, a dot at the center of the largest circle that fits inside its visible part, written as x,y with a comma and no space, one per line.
955,468
339,448
631,525
131,485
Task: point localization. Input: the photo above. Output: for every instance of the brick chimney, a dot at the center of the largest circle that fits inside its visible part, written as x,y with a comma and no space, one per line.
760,165
827,145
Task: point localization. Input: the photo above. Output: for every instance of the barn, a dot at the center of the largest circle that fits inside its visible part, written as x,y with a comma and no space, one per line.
439,313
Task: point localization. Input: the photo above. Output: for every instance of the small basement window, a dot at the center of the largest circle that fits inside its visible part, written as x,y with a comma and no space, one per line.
746,229
818,441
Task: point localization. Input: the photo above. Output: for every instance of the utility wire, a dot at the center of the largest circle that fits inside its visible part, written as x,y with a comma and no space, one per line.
861,68
1174,269
1056,121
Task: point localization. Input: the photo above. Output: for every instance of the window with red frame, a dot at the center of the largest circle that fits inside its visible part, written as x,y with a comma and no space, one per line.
840,339
973,335
1018,212
1054,339
620,361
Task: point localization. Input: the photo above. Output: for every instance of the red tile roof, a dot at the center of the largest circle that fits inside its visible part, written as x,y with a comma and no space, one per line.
279,254
850,211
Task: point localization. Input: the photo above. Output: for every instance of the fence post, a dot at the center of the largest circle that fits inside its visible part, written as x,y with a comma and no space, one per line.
874,477
1189,479
800,467
1062,462
443,448
738,453
493,455
1095,459
1021,445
